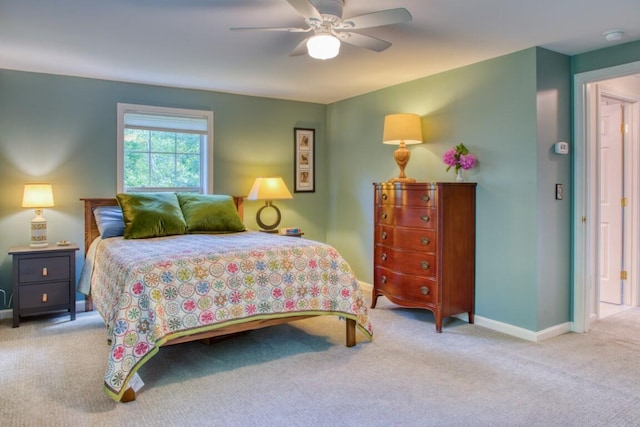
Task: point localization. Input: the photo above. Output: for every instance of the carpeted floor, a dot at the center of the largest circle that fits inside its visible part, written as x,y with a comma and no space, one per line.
302,374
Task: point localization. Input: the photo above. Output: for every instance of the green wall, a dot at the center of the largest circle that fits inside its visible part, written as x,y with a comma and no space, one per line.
62,130
492,108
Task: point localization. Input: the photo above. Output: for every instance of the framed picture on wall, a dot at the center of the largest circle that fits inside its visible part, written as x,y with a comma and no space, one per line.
304,160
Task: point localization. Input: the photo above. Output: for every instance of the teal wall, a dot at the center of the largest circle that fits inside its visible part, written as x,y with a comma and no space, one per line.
553,227
62,130
491,108
605,58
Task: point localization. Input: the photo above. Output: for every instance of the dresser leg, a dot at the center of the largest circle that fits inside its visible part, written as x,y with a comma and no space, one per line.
438,324
374,299
471,317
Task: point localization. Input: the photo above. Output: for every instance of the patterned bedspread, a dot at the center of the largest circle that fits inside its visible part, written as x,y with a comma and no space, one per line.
149,291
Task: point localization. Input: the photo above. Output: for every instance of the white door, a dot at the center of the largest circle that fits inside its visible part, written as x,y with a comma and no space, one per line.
611,211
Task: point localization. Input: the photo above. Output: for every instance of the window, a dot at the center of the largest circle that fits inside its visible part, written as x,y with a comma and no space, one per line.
164,149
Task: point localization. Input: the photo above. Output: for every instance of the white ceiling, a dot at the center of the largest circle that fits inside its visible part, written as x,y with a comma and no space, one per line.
187,43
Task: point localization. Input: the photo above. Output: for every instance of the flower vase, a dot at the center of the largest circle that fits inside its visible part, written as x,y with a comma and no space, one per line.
459,176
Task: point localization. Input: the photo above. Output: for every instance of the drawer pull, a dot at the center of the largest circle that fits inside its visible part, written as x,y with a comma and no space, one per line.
384,279
426,198
424,290
384,215
384,235
425,241
424,265
384,256
45,298
45,272
384,196
425,218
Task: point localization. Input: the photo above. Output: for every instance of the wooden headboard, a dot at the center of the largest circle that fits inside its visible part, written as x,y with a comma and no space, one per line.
91,227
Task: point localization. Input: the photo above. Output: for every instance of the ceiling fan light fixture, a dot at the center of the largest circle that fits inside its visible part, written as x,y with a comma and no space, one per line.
323,46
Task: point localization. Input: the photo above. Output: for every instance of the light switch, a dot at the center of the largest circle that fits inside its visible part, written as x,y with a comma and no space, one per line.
559,191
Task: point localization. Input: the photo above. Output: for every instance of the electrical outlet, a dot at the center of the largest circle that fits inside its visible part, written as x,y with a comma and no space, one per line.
559,191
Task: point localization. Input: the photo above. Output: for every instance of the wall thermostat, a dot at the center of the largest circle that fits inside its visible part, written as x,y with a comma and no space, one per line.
561,148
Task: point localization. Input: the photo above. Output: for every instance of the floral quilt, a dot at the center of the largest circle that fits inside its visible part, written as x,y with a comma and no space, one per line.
149,291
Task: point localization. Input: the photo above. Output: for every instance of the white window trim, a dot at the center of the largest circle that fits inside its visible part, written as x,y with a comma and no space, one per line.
207,185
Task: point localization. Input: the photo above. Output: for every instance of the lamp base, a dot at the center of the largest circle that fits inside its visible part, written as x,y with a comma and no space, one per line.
268,227
38,232
405,179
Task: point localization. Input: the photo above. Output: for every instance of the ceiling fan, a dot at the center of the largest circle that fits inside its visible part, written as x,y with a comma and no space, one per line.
324,20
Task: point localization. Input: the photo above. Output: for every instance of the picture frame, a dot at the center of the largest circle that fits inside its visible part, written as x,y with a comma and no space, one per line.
304,160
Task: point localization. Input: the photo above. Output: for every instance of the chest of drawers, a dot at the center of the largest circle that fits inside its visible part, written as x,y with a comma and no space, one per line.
43,280
424,247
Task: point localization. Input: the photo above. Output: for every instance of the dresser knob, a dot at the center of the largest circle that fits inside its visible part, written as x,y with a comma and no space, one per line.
384,196
384,235
424,290
425,241
424,265
426,198
384,279
44,298
384,256
425,218
384,215
45,272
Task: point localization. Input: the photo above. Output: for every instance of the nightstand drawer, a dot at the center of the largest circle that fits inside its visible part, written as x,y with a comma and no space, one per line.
44,295
43,269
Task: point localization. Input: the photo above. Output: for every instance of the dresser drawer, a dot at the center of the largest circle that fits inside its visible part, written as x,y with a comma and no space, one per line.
417,239
406,287
390,195
407,262
407,217
44,295
43,269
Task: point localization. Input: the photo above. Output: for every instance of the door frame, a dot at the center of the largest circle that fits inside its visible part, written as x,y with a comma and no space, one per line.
583,269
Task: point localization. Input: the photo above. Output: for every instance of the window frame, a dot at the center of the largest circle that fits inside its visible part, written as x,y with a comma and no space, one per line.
206,157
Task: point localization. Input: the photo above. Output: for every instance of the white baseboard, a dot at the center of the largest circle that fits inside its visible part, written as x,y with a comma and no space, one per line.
502,327
8,313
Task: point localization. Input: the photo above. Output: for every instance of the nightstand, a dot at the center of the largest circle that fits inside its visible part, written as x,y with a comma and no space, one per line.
44,280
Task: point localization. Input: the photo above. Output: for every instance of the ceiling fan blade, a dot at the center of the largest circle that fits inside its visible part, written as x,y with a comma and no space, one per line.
301,48
367,42
306,9
290,30
376,19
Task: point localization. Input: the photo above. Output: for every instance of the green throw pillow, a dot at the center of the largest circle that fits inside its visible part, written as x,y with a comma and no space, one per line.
151,215
206,213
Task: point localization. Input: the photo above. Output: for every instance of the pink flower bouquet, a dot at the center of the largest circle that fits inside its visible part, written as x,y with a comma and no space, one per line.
459,158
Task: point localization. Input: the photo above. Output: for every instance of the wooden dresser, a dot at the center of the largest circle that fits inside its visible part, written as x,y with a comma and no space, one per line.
424,246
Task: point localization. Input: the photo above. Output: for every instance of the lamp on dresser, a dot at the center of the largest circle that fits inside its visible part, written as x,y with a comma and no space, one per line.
402,129
269,189
38,196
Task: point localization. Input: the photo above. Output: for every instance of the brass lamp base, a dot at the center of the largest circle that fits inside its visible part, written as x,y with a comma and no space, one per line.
405,179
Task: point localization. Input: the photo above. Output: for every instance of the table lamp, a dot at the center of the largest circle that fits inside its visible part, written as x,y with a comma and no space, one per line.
269,189
38,196
402,129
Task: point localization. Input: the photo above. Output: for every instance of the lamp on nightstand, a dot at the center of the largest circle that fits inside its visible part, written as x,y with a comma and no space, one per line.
269,189
38,196
402,129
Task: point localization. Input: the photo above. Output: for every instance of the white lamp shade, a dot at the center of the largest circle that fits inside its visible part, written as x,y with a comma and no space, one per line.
402,127
272,188
323,46
37,196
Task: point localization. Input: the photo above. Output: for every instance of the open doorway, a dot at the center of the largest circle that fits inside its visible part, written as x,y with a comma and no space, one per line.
615,239
606,263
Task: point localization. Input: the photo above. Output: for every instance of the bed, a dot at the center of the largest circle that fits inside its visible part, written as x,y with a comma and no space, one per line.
165,290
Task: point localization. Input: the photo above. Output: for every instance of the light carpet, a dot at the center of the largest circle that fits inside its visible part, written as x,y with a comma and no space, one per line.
51,372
